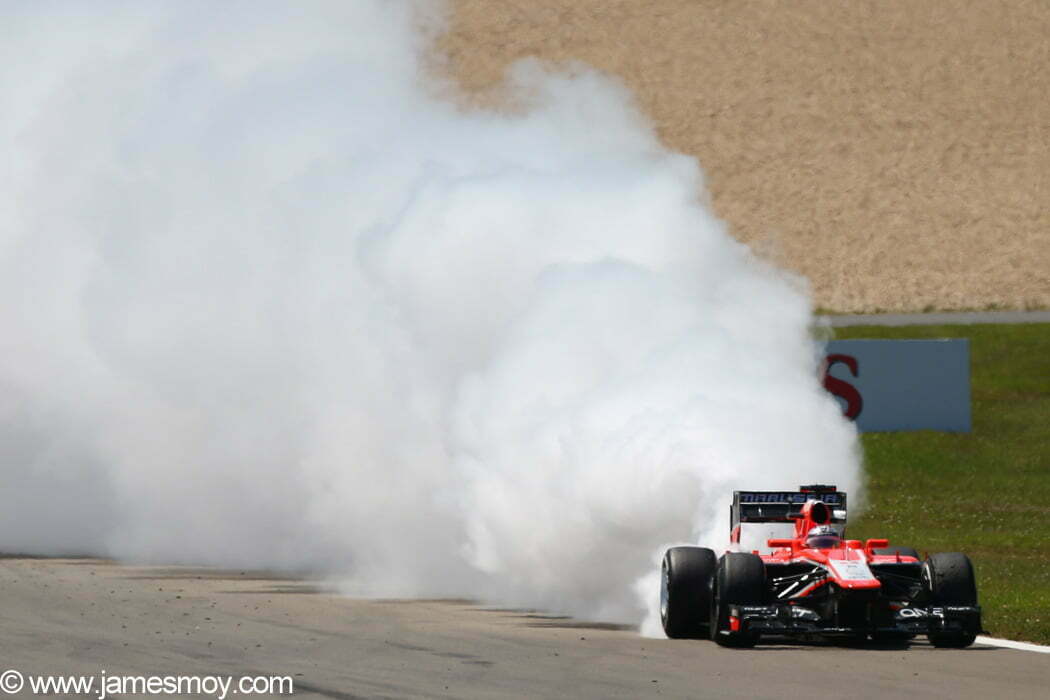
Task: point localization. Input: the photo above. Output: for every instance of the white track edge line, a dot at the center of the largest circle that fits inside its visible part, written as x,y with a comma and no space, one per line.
1011,644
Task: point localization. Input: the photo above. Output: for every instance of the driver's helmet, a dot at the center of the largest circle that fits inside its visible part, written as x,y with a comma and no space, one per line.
822,537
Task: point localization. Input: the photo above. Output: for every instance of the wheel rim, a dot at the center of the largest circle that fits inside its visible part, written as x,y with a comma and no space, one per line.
665,583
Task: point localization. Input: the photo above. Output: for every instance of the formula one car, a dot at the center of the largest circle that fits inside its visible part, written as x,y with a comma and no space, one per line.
816,583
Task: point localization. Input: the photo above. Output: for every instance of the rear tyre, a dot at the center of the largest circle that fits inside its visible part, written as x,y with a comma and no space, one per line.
739,580
903,551
950,581
685,591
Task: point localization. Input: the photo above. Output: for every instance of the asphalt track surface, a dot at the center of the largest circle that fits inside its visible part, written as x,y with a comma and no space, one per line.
80,616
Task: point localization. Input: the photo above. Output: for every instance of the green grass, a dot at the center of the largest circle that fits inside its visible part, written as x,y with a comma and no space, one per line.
986,493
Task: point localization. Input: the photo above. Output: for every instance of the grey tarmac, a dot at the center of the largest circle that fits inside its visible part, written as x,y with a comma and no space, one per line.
80,616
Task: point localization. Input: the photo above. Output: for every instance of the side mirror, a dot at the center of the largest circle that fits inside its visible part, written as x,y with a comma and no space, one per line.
872,544
776,542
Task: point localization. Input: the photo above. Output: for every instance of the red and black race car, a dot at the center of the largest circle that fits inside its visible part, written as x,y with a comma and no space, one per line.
815,583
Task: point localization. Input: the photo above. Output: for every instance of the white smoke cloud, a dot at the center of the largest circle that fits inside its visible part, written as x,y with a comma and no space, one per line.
267,300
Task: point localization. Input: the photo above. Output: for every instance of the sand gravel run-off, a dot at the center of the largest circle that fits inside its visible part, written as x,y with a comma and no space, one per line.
896,153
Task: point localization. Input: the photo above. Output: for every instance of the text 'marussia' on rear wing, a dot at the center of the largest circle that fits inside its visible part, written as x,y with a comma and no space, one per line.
778,506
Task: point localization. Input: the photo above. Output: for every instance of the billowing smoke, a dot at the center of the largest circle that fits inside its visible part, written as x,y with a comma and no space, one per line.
267,299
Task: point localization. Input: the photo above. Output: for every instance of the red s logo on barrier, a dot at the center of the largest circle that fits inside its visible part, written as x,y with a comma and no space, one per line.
841,388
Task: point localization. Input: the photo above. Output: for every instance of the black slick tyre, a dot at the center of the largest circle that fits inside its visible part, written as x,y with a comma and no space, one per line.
950,581
739,580
685,591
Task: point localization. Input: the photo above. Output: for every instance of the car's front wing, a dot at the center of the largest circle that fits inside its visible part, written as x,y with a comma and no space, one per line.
788,619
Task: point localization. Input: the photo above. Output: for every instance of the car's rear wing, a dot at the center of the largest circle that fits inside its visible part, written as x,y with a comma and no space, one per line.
779,506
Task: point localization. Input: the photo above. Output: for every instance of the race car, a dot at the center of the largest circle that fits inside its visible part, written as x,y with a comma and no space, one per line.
815,583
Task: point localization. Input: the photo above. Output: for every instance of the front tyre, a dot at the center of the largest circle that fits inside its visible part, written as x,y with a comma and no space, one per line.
685,591
949,579
739,580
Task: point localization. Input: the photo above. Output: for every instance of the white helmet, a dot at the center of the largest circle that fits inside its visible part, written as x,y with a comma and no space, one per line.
822,537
